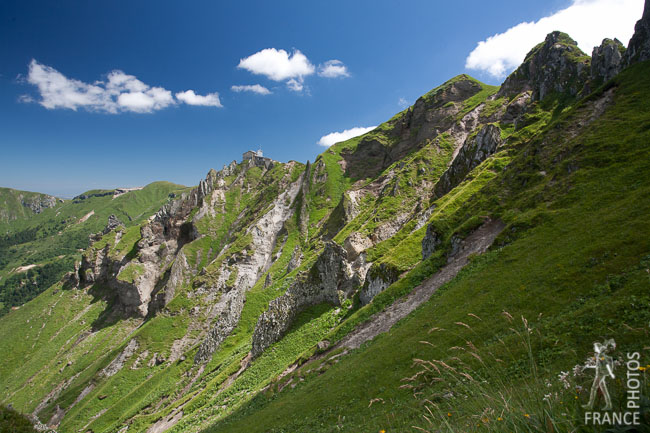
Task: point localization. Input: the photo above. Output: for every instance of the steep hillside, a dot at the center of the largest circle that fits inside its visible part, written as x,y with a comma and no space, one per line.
36,252
494,222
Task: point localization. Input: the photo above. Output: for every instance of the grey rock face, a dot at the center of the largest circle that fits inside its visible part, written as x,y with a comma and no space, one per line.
38,204
378,278
556,65
638,49
295,260
430,242
113,223
331,279
516,108
606,60
355,244
474,151
116,365
228,311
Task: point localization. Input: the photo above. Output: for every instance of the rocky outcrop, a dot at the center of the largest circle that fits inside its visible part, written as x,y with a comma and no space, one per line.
606,61
516,108
378,278
141,283
247,269
112,224
638,49
295,260
38,203
355,244
86,196
227,312
118,363
556,65
331,279
431,115
430,242
304,202
96,265
474,151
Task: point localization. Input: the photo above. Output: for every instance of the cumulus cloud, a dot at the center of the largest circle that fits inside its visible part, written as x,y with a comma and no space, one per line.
336,137
191,98
119,93
586,21
292,68
255,88
333,69
403,103
278,65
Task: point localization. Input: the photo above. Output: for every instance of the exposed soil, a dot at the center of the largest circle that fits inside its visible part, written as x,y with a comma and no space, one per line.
476,243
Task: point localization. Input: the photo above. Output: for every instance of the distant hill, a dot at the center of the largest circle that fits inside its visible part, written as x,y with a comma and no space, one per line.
46,238
19,205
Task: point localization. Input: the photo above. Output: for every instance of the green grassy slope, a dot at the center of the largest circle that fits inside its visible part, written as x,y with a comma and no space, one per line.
574,261
54,239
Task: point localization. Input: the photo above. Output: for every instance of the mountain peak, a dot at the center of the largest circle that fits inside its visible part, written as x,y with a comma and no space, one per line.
638,49
556,65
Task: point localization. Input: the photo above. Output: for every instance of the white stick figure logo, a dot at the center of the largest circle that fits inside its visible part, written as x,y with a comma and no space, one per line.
604,366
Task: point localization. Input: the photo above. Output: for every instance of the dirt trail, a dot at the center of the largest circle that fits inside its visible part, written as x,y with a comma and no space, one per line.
476,243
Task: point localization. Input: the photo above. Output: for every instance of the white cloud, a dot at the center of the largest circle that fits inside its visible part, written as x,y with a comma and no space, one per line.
119,93
58,91
278,65
403,103
255,88
191,98
336,137
333,69
26,99
295,84
586,21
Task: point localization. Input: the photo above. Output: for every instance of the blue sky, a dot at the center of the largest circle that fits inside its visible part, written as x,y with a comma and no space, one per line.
172,114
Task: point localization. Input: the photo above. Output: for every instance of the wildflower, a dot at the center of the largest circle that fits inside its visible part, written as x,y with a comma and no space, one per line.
526,415
382,431
564,378
499,419
448,413
642,368
577,370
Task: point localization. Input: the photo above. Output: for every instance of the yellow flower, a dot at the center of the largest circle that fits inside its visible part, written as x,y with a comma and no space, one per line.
526,415
448,413
642,368
499,419
382,431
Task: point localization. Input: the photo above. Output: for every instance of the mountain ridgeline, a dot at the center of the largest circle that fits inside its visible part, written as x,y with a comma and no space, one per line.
264,299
